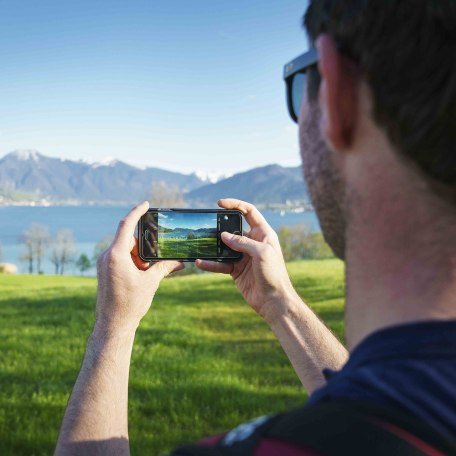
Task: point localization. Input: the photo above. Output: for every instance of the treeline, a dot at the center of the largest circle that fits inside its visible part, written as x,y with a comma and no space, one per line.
60,250
299,242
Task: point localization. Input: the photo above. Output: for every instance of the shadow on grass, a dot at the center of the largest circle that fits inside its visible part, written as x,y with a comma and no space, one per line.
16,437
74,309
195,411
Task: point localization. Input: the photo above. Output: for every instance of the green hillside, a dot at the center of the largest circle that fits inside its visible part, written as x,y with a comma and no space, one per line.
202,363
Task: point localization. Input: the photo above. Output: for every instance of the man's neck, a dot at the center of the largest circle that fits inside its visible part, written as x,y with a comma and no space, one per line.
400,263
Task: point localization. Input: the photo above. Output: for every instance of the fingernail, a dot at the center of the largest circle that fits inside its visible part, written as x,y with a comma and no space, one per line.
227,236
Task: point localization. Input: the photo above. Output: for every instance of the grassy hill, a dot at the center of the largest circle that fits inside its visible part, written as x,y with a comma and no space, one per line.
203,362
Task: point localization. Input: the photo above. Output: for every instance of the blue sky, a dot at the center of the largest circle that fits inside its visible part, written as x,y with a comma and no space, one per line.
190,221
175,84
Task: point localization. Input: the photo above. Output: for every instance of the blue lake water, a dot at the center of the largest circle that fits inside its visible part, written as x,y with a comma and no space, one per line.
89,225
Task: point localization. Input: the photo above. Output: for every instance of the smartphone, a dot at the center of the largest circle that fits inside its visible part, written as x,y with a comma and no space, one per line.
187,234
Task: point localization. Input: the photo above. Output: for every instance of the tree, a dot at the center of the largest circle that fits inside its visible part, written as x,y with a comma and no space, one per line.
319,248
63,250
36,239
101,246
298,242
55,259
163,195
294,241
191,235
83,263
41,241
29,254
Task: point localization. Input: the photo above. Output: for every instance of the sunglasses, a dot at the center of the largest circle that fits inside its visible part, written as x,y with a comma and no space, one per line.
296,80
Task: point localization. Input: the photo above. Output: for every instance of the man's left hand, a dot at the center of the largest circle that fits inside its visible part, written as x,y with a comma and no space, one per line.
127,284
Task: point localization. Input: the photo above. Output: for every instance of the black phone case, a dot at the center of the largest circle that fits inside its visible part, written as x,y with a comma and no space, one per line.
189,259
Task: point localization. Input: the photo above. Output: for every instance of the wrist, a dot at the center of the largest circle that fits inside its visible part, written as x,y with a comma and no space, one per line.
293,313
281,305
104,331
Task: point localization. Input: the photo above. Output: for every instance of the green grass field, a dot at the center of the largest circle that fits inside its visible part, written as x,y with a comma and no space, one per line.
202,363
188,248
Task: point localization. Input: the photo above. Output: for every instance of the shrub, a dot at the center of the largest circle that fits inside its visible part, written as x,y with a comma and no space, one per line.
299,242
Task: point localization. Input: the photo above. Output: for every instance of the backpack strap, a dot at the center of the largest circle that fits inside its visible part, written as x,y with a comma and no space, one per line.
241,441
336,428
344,427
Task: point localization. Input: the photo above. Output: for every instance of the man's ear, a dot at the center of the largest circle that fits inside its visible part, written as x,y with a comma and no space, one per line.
338,94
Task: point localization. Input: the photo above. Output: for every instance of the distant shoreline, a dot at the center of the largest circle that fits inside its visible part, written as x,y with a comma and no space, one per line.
276,207
45,203
91,224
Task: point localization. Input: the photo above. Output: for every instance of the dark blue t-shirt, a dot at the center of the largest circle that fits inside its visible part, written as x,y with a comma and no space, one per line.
410,367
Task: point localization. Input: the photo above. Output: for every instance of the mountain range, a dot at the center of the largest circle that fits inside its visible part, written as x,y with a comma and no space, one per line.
183,232
30,175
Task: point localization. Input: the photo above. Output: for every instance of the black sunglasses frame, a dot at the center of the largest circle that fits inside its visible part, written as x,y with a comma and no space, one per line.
298,65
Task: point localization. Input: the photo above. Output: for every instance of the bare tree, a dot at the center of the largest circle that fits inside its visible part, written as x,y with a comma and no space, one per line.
163,195
40,243
55,258
36,239
63,250
29,254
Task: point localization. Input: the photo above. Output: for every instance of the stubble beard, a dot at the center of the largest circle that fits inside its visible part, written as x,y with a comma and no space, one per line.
323,181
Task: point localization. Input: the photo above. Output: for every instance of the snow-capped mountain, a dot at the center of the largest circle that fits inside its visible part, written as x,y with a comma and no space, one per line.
58,179
113,181
26,154
211,177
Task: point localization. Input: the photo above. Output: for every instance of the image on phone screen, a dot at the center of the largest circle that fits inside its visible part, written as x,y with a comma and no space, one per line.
177,234
187,235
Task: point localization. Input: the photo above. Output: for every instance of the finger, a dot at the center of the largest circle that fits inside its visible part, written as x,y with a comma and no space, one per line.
251,213
139,263
178,268
243,244
126,229
134,243
214,266
135,246
162,269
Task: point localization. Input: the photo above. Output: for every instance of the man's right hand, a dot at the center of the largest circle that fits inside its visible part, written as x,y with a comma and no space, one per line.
261,275
263,280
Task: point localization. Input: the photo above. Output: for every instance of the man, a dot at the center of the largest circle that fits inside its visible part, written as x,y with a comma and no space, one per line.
378,146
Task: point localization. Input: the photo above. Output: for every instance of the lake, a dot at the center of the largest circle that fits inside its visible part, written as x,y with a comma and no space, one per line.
89,225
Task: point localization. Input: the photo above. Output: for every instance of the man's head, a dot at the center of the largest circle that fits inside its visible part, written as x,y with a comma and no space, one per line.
386,74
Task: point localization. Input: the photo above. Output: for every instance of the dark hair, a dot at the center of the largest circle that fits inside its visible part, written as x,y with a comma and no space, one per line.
406,50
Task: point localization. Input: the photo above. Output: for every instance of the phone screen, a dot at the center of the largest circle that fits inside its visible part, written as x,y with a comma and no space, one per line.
188,234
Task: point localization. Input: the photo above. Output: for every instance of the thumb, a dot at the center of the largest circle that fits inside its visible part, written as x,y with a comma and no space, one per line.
242,244
163,268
